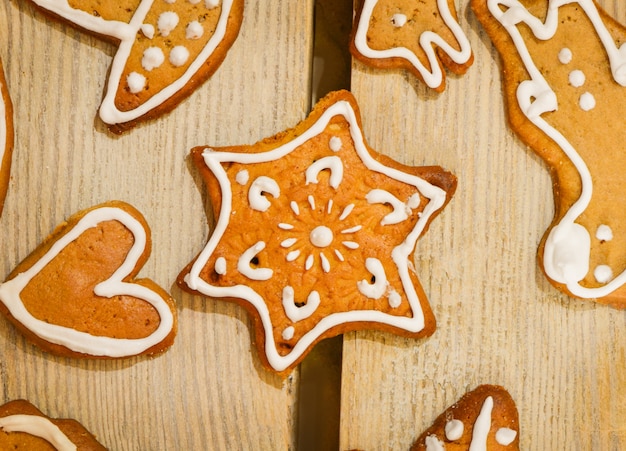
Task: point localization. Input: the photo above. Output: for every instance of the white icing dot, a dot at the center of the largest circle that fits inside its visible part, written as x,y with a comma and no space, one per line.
291,256
152,58
167,22
335,144
288,242
603,273
604,233
136,82
169,1
308,264
285,226
433,444
147,30
325,263
352,229
321,236
242,177
194,30
587,101
288,333
294,207
394,299
311,200
576,78
454,429
565,55
179,55
398,20
339,255
350,244
220,266
212,3
505,436
346,212
194,2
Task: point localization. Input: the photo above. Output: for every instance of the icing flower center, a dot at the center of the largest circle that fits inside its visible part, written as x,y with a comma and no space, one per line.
321,236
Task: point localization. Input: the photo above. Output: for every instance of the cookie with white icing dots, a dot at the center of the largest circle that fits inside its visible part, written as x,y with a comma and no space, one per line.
166,49
6,137
315,233
564,77
485,418
421,36
23,426
76,295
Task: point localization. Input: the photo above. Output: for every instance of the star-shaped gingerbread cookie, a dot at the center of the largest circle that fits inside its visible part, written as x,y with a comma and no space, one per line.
315,233
166,49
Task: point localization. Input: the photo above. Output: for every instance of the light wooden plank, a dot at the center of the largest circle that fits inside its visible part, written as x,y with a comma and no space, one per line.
209,391
499,320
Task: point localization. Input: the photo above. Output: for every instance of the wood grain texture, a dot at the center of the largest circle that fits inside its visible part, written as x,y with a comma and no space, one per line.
499,320
209,391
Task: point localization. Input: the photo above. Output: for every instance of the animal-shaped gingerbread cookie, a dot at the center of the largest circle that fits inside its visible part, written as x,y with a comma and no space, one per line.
564,75
166,49
76,295
421,36
315,233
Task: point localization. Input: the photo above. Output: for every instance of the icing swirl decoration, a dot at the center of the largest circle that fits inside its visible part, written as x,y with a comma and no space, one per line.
163,46
585,84
329,247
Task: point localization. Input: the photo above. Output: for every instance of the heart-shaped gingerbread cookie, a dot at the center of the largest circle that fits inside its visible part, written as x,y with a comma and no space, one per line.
76,294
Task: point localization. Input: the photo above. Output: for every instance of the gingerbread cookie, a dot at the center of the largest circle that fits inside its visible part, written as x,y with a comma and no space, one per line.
564,76
76,295
166,49
315,233
421,36
485,418
24,427
6,137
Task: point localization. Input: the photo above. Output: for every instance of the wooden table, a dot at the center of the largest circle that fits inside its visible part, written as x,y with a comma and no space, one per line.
499,320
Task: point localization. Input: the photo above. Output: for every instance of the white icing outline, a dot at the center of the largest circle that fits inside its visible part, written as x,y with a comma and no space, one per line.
81,341
428,40
571,269
38,426
3,127
400,254
126,34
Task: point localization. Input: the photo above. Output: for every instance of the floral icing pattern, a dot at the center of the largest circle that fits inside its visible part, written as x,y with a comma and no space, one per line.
315,233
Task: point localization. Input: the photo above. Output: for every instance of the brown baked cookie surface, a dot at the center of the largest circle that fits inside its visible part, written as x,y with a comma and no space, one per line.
76,294
6,137
484,418
421,36
315,233
166,49
564,81
24,427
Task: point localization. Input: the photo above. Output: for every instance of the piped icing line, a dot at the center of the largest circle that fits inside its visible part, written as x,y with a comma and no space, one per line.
109,113
400,254
114,28
84,342
39,427
3,125
567,247
428,41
